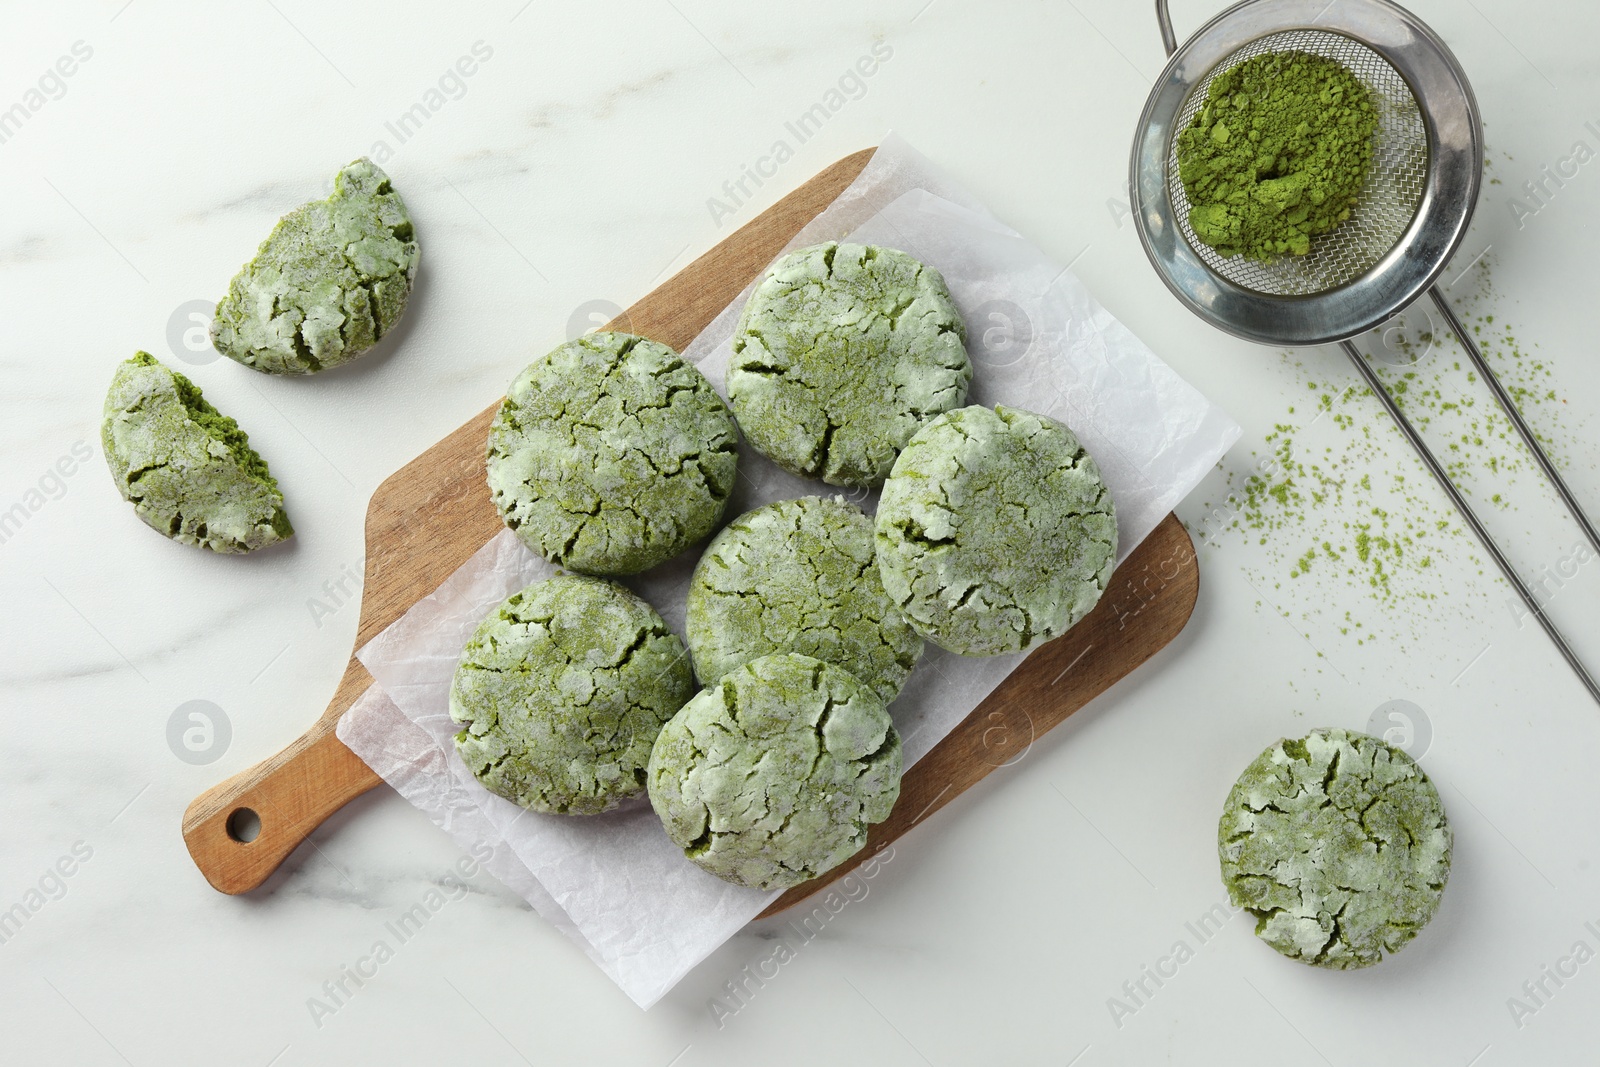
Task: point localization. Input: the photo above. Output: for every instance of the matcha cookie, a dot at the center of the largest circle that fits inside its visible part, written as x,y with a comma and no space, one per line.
561,692
995,532
799,576
611,455
842,352
330,280
187,469
772,775
1338,845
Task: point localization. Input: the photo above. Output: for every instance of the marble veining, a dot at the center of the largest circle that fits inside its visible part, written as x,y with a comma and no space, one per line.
577,167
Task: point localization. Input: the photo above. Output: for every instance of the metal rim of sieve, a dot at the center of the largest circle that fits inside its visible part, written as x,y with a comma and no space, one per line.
1410,219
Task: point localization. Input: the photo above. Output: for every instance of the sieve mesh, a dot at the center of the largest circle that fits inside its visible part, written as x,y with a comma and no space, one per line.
1389,198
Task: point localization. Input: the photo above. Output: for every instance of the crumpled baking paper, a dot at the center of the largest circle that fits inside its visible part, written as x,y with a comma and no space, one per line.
614,883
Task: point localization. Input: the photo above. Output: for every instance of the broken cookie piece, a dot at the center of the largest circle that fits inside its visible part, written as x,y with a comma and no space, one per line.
330,280
187,469
1337,843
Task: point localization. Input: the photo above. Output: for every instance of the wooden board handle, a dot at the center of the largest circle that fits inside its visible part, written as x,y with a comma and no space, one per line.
282,799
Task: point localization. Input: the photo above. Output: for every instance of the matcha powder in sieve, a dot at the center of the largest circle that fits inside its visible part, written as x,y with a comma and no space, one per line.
1277,155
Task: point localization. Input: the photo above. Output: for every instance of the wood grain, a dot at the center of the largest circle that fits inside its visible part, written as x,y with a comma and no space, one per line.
429,517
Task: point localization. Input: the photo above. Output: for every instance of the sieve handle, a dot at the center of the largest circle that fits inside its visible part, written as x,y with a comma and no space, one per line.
1427,457
1164,20
1511,409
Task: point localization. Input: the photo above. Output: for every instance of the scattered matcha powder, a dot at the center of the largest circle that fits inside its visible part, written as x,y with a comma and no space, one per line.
1277,155
1355,510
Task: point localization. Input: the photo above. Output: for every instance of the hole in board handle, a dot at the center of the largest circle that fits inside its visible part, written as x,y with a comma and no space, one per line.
243,825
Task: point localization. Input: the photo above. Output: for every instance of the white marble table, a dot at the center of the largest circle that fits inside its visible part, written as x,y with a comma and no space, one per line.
592,150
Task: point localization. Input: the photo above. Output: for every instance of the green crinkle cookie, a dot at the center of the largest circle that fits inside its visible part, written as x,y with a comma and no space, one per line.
187,469
1337,843
799,576
330,280
841,353
561,693
611,455
995,532
772,775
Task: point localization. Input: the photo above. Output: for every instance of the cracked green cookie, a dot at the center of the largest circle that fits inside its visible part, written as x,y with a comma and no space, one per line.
187,469
561,692
611,455
995,532
799,576
1337,843
330,280
771,776
841,353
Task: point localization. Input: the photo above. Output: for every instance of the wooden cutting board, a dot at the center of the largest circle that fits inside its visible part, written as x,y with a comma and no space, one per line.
431,516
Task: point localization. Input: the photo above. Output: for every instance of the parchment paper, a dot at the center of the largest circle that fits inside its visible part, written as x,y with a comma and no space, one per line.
1038,340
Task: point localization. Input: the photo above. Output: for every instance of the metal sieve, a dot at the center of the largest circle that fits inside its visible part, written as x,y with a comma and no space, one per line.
1413,211
1389,196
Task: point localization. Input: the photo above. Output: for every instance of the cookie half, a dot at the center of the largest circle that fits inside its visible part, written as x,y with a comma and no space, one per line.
995,532
611,455
187,469
330,280
561,693
772,776
842,352
1338,844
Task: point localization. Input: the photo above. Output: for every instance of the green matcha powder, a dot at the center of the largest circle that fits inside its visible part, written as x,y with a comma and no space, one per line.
1277,155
